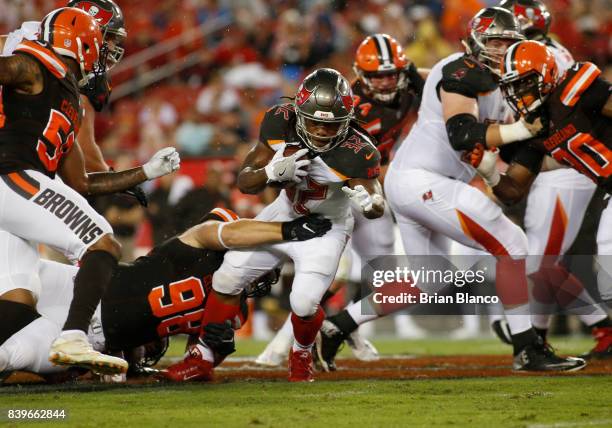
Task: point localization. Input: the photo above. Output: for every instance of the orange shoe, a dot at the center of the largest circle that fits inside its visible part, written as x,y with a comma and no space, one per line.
192,368
300,366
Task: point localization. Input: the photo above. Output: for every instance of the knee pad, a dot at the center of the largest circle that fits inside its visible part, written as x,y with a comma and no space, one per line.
227,280
303,304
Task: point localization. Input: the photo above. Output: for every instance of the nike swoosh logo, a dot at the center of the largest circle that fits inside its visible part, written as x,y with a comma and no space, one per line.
368,157
280,174
190,377
305,226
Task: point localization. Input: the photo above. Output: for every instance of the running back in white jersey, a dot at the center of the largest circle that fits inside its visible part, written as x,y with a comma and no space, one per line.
427,145
28,31
319,192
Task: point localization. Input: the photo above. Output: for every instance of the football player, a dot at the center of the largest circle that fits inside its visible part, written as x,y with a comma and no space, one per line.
40,115
96,93
386,95
556,204
319,155
428,191
577,109
158,295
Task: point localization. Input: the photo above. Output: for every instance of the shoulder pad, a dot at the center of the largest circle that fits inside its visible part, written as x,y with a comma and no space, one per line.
577,80
276,124
467,77
43,55
355,157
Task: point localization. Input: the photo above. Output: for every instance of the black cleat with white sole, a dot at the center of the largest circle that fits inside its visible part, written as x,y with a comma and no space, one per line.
328,343
540,357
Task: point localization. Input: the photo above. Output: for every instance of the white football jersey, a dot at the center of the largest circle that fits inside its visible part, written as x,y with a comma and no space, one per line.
29,31
427,145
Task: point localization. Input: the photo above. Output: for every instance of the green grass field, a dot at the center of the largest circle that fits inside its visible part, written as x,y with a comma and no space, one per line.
515,401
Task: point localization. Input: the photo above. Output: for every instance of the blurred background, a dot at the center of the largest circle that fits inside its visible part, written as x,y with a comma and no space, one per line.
199,75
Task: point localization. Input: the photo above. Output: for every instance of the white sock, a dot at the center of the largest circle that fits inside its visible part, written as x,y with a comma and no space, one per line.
540,321
356,312
518,318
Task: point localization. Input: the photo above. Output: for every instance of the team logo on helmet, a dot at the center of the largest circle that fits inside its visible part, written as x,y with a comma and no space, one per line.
103,16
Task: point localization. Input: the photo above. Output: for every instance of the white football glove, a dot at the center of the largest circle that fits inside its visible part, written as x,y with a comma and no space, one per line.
361,197
163,162
487,168
287,168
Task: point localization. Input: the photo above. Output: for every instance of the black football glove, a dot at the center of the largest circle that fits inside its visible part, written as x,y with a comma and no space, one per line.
304,228
139,194
220,338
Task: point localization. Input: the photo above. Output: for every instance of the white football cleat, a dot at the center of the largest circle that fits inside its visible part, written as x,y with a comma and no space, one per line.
277,351
270,358
73,349
362,348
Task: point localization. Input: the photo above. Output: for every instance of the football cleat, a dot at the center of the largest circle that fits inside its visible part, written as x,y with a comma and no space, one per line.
300,366
539,356
362,348
327,344
192,368
603,347
73,349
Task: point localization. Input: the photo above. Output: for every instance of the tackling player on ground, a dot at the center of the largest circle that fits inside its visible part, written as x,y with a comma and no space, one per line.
159,295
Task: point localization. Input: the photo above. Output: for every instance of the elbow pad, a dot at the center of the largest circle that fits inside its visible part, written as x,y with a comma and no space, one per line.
464,132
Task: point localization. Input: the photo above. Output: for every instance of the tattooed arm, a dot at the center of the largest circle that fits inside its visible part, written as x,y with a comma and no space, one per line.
72,171
21,72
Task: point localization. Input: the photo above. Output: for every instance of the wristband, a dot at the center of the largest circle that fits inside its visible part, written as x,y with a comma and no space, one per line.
516,131
219,229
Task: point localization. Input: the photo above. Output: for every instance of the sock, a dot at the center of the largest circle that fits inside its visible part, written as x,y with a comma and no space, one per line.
518,318
97,268
344,321
305,330
19,314
356,314
218,312
511,281
540,321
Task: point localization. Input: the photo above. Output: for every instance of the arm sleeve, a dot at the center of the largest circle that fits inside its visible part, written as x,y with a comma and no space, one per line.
529,156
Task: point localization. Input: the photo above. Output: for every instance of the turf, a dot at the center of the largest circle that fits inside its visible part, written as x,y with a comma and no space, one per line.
470,402
515,401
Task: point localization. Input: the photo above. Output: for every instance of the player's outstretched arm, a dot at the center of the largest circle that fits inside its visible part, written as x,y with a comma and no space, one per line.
464,131
72,171
366,193
215,235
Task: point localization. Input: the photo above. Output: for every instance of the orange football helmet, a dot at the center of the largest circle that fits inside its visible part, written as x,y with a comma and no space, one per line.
75,34
528,75
378,56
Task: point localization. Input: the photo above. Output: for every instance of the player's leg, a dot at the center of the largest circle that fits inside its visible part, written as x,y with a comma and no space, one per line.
555,209
316,264
25,336
466,215
39,209
603,335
